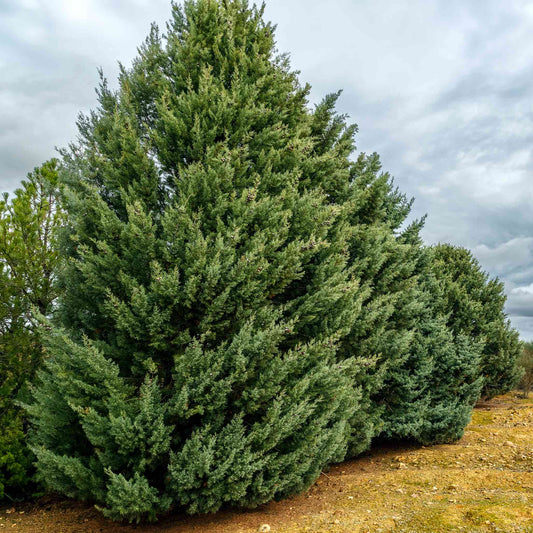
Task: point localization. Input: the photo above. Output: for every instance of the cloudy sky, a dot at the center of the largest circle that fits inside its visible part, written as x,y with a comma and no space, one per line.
442,89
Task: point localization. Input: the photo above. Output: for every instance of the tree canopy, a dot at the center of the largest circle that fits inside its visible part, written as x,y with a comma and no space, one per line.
474,305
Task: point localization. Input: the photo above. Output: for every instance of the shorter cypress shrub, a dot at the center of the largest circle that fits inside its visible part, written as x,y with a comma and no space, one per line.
474,306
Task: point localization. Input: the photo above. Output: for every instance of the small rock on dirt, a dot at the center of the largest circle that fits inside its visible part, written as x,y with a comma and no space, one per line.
263,528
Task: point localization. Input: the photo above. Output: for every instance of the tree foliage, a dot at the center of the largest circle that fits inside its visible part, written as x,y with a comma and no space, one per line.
525,365
418,380
207,283
28,262
474,306
425,380
242,300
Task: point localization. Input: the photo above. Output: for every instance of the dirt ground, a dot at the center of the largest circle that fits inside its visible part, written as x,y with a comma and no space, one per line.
483,483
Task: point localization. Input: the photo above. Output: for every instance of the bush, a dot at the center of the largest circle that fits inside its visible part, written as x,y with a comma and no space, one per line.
15,458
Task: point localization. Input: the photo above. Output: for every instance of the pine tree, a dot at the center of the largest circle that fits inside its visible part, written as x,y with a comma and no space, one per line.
15,345
474,306
195,358
28,261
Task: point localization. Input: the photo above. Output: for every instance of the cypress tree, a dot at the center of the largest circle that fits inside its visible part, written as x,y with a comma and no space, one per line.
426,380
195,358
243,304
474,305
429,397
420,381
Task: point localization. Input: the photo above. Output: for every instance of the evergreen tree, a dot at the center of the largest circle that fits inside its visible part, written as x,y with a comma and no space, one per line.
243,303
426,381
207,285
15,345
430,397
28,262
387,264
419,382
474,306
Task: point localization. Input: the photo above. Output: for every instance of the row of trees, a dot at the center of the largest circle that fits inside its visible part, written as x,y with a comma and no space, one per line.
241,303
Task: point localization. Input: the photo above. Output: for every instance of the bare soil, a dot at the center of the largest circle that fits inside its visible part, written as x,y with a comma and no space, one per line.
483,483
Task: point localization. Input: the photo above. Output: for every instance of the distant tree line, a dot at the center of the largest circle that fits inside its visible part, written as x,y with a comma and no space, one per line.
525,364
208,299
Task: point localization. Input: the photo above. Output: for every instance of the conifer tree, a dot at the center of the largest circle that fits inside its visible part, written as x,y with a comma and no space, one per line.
426,381
28,263
15,350
420,382
429,398
474,306
243,304
195,358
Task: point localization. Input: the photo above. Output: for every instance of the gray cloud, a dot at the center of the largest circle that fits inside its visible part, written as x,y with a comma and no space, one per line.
440,88
513,262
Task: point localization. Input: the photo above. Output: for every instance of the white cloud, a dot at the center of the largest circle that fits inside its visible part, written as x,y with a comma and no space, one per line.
504,259
525,291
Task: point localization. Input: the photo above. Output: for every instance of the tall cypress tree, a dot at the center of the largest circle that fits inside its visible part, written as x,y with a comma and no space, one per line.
207,288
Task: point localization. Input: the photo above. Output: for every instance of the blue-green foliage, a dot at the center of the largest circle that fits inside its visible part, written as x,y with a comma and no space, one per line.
195,361
474,304
419,380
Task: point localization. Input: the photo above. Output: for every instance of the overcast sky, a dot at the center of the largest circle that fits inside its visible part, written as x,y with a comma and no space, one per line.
441,89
